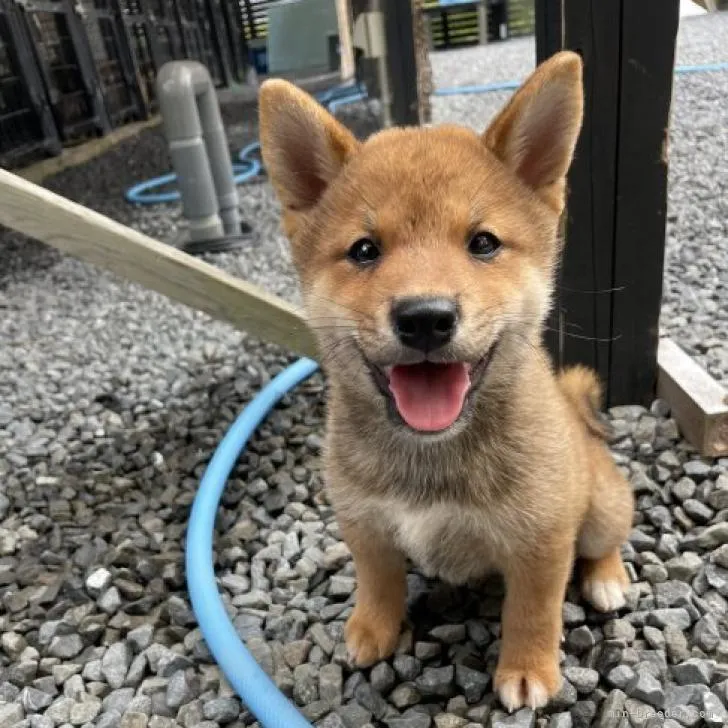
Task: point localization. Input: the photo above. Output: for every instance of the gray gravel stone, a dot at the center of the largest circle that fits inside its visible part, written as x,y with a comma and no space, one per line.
646,688
10,715
413,720
331,683
85,710
404,695
221,710
676,618
560,720
109,719
134,719
524,718
693,671
472,683
582,678
621,676
354,715
407,667
115,664
715,712
448,633
383,677
65,646
371,700
436,681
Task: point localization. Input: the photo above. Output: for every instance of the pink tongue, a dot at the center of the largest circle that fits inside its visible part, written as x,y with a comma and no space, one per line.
429,397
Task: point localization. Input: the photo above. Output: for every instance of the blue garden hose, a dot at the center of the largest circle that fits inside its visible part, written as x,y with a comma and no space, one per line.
249,166
255,688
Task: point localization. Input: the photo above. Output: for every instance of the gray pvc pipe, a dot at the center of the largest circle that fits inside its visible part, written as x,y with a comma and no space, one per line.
198,148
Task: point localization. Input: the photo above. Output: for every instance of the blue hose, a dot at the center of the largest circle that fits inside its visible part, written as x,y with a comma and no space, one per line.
249,167
255,688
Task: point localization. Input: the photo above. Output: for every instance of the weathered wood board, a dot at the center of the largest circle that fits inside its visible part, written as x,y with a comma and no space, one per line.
86,234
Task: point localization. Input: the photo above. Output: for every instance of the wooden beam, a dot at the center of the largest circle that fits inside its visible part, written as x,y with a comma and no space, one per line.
401,61
86,234
610,282
346,42
699,404
649,33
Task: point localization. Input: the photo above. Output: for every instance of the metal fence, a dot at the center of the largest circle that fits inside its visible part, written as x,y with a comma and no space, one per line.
72,69
455,27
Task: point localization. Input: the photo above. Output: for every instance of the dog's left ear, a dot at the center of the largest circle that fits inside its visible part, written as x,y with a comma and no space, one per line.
535,134
304,148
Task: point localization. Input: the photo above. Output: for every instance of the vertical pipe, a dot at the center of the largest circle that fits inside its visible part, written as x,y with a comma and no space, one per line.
220,162
177,85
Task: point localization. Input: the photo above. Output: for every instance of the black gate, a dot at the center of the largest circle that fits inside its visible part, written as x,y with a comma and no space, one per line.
112,61
71,69
26,121
65,62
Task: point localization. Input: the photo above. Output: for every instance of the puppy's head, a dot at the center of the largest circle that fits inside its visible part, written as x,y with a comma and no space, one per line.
423,251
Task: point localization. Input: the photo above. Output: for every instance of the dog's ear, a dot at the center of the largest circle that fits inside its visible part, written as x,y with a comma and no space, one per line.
535,134
303,146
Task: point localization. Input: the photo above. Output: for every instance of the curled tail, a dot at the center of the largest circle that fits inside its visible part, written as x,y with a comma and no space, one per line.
581,387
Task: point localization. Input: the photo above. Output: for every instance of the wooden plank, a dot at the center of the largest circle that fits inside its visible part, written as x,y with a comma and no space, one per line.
698,403
649,33
85,234
346,42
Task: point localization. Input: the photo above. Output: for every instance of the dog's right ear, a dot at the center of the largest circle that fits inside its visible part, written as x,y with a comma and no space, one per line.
303,146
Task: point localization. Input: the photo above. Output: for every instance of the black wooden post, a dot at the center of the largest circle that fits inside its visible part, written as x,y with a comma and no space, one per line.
401,61
610,285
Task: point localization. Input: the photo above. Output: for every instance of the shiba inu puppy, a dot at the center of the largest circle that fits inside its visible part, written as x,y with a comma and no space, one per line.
426,258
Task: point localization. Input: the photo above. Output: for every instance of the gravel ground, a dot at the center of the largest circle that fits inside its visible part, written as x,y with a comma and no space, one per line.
112,399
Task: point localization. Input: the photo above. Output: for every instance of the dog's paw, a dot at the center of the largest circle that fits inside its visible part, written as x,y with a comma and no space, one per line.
530,686
604,582
604,595
370,639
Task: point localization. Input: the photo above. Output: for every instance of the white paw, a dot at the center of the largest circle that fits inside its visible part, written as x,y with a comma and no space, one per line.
606,596
519,691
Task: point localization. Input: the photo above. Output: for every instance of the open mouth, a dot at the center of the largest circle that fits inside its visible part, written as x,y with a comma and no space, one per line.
430,396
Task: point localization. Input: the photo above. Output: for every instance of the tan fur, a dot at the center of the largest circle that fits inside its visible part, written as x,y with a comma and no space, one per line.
519,483
581,386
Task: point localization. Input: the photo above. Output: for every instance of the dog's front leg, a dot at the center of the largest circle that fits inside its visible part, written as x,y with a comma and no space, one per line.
373,629
528,667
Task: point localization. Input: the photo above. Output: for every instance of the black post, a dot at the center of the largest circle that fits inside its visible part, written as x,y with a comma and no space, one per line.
219,41
87,68
645,100
549,27
610,284
401,61
32,76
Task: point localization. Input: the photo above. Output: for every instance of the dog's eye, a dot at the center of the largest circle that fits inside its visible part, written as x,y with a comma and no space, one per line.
484,245
363,251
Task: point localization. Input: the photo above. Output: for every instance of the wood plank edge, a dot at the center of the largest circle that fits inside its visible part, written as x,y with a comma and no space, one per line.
699,403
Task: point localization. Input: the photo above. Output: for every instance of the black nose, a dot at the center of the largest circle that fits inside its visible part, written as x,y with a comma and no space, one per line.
424,323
